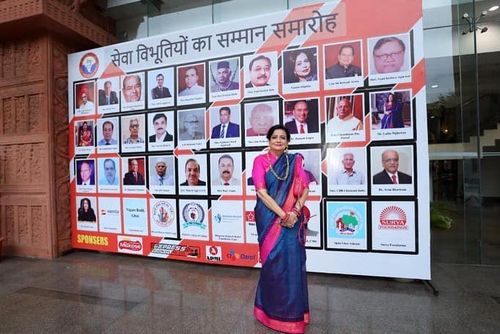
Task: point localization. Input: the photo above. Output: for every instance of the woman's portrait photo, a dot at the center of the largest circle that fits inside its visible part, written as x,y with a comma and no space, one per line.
391,115
300,65
85,133
85,211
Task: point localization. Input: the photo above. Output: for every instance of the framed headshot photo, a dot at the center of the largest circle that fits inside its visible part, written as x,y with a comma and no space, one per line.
392,170
225,124
391,115
84,98
133,133
343,65
85,176
86,213
224,79
161,131
133,92
226,169
108,175
345,118
162,174
261,74
300,70
191,84
347,171
301,118
259,118
133,175
191,129
161,88
193,174
108,92
108,131
84,137
389,59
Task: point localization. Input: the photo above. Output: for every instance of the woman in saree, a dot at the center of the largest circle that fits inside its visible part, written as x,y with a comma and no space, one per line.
392,113
281,301
85,135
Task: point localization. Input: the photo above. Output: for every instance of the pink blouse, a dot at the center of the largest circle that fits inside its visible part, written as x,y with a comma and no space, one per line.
261,166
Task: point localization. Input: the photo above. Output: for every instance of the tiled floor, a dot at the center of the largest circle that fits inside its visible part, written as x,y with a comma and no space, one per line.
87,292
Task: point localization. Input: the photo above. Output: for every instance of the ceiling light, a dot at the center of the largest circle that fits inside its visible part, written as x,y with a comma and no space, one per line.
493,8
434,86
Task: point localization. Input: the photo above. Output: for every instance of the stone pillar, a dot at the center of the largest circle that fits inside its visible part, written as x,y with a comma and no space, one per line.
36,37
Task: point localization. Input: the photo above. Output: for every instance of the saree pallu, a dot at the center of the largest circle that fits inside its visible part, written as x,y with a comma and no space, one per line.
281,301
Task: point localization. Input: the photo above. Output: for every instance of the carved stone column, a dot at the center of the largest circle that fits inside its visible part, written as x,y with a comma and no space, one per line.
34,175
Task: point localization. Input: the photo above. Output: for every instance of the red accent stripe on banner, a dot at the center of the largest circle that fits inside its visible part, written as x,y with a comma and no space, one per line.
182,151
418,79
382,20
112,71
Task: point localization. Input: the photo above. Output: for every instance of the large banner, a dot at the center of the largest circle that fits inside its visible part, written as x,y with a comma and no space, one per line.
164,132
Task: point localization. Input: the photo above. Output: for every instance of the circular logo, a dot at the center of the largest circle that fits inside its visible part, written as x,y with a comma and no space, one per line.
88,65
193,212
163,214
347,221
394,218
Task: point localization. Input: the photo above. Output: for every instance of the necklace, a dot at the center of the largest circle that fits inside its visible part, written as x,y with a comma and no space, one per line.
287,170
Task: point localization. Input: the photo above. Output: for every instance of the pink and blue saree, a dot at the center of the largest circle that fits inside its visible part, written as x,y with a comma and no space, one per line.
281,302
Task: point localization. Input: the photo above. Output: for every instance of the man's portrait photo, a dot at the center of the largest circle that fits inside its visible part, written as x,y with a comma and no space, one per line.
161,174
84,133
192,174
108,172
389,54
107,91
226,169
133,133
161,87
134,175
260,117
224,75
85,172
343,60
391,173
160,126
107,132
133,92
347,171
225,128
84,97
191,125
261,74
191,81
345,117
392,170
301,116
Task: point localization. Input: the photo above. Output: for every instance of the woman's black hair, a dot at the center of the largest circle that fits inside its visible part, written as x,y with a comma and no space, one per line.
278,127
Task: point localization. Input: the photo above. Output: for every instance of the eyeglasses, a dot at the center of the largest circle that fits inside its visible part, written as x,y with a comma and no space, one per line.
391,160
191,122
134,125
385,56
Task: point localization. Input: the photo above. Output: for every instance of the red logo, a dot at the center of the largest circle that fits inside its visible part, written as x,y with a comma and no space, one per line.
130,245
213,250
393,217
250,216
